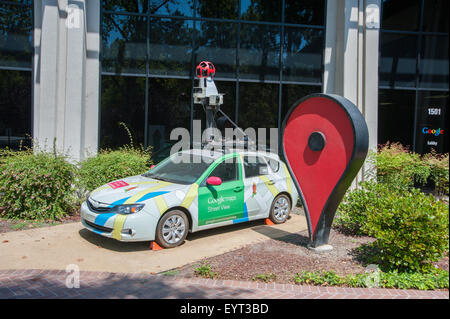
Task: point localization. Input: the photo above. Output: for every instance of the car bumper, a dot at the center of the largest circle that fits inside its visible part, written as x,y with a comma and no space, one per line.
136,227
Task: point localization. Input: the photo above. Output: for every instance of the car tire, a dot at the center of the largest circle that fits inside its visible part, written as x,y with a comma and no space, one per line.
172,229
281,208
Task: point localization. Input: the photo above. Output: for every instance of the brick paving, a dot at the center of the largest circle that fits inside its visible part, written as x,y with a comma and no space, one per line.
38,284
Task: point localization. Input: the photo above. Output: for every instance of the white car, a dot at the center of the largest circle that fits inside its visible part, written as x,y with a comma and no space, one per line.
191,191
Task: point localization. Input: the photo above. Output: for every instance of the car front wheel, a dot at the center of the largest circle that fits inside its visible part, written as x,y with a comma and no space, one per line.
172,229
281,207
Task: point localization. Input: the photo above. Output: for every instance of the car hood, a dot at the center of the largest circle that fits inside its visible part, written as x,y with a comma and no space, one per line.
132,190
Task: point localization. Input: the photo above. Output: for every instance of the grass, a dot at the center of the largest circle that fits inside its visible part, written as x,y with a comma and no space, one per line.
205,271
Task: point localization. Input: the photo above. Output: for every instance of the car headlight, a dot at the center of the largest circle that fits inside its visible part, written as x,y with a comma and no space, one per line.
127,209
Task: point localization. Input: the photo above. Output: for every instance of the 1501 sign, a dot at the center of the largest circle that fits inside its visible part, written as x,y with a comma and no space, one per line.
434,111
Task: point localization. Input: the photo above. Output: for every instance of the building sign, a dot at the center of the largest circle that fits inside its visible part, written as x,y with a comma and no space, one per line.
431,129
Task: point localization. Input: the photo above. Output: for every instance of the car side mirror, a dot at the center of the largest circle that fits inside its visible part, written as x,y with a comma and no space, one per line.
214,181
152,166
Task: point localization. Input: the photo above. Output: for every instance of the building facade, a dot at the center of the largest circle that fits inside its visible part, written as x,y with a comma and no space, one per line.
74,73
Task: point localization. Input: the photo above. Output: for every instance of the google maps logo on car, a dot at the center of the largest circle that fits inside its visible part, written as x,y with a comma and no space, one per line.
433,131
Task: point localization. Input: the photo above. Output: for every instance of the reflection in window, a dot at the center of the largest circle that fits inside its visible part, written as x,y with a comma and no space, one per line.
170,46
258,105
16,36
304,12
294,92
172,7
123,100
15,108
433,22
136,6
169,107
432,117
217,43
261,10
434,62
397,64
396,117
259,53
401,15
124,44
219,9
227,171
303,55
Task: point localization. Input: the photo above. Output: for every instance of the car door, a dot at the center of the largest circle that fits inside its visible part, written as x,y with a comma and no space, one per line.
259,189
223,202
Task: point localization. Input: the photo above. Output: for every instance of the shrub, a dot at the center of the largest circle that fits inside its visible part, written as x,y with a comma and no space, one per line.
411,231
109,165
398,167
352,213
36,185
439,165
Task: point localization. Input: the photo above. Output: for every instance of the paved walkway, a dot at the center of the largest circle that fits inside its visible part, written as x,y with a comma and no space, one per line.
52,284
56,247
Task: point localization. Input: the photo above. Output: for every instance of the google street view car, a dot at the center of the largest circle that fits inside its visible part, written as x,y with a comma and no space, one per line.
188,192
195,189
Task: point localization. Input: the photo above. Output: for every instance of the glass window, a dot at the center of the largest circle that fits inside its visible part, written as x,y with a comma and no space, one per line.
294,92
303,50
123,44
172,7
217,43
16,36
401,15
137,6
259,54
304,12
434,62
435,16
431,130
180,168
219,9
261,10
398,54
258,106
254,166
274,164
169,107
170,46
227,170
15,108
396,117
123,100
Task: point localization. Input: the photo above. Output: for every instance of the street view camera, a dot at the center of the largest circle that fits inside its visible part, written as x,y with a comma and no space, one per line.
207,95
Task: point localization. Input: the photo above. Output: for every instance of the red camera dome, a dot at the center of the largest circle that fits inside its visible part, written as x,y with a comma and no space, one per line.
205,69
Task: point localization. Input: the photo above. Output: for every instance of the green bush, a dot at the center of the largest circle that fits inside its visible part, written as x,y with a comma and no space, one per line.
36,185
398,167
439,166
109,165
411,231
352,212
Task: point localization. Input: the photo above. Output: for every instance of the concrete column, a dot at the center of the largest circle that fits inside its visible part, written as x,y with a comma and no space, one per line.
66,76
351,59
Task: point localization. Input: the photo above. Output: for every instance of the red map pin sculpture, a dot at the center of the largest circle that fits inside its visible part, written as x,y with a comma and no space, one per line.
325,142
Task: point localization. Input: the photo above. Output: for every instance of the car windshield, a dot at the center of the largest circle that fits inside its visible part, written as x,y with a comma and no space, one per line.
181,169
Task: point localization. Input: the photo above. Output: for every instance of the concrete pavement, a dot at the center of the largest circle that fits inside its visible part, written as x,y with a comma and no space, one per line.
56,247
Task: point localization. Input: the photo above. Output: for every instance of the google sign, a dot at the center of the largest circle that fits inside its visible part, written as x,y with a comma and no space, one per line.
437,132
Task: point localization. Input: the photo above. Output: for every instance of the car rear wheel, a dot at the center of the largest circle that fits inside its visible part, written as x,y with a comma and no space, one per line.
172,229
281,207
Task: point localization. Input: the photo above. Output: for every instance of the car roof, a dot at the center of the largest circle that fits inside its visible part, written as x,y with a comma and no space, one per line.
215,155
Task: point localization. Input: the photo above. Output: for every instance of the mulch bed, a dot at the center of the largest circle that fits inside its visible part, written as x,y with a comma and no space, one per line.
287,256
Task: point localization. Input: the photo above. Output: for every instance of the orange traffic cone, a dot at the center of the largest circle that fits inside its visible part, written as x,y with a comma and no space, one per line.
154,246
268,222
